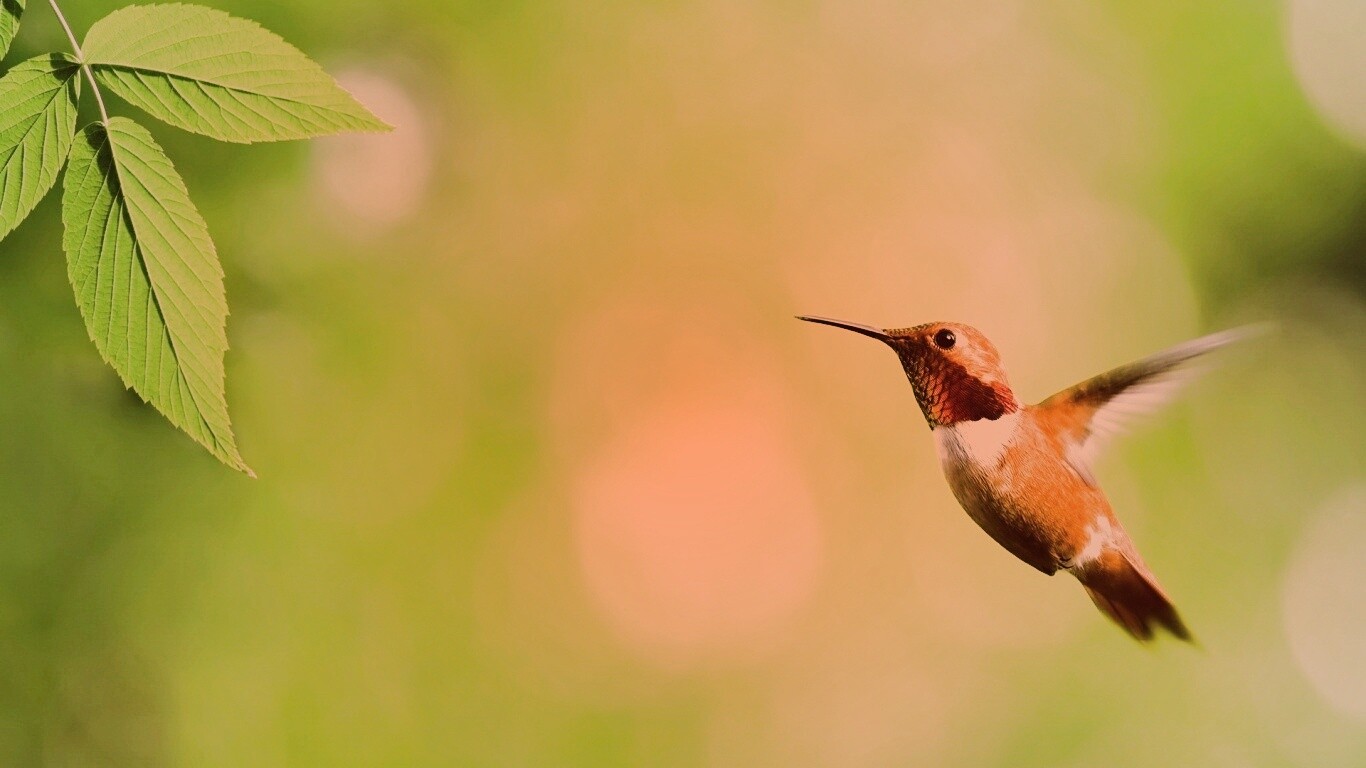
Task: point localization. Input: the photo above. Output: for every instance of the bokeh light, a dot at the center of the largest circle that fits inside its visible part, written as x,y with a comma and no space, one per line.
376,181
1324,41
696,535
1325,601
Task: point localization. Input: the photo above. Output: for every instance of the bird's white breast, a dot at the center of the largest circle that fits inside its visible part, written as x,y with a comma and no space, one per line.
980,443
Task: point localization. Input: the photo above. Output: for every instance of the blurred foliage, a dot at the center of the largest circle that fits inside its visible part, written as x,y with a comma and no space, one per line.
548,475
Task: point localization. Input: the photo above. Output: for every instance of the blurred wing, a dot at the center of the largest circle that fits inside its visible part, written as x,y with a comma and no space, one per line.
1105,406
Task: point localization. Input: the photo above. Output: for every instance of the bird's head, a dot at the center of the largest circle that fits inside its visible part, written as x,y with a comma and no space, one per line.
955,371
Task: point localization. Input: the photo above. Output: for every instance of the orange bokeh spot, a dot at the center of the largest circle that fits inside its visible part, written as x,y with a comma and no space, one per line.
696,534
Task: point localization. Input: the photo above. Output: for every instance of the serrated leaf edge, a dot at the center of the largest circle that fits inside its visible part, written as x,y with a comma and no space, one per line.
226,453
21,215
376,125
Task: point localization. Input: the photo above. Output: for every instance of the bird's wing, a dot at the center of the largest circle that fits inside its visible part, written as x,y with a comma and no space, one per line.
1098,409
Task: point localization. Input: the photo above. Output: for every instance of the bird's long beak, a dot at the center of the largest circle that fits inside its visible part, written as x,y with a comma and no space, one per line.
866,330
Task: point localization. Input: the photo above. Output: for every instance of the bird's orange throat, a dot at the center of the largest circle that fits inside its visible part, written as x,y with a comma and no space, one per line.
949,393
971,399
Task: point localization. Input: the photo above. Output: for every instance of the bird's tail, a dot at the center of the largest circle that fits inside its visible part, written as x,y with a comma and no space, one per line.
1123,589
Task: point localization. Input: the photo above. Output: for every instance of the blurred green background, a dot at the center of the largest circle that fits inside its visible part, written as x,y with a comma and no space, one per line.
550,477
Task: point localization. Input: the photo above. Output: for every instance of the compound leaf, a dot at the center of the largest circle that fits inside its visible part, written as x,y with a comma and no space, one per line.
147,279
205,71
37,124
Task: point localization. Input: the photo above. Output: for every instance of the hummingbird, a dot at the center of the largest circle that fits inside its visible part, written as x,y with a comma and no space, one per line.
1024,474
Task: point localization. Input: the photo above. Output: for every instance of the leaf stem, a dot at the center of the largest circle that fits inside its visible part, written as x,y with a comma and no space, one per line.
80,57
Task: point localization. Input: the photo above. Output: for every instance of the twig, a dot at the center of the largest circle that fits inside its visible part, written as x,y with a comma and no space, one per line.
80,58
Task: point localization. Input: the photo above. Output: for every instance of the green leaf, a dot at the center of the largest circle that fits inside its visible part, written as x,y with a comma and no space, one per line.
10,11
37,123
147,279
205,71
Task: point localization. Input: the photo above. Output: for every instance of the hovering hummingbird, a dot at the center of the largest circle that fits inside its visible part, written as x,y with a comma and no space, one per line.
1023,472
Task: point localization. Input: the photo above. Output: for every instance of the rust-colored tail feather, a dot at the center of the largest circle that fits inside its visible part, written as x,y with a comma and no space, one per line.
1129,594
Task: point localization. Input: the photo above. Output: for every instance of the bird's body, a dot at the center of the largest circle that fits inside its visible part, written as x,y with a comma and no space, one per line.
1012,478
1023,472
1009,476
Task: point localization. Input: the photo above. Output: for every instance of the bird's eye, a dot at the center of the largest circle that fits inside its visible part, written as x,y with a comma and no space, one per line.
945,339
